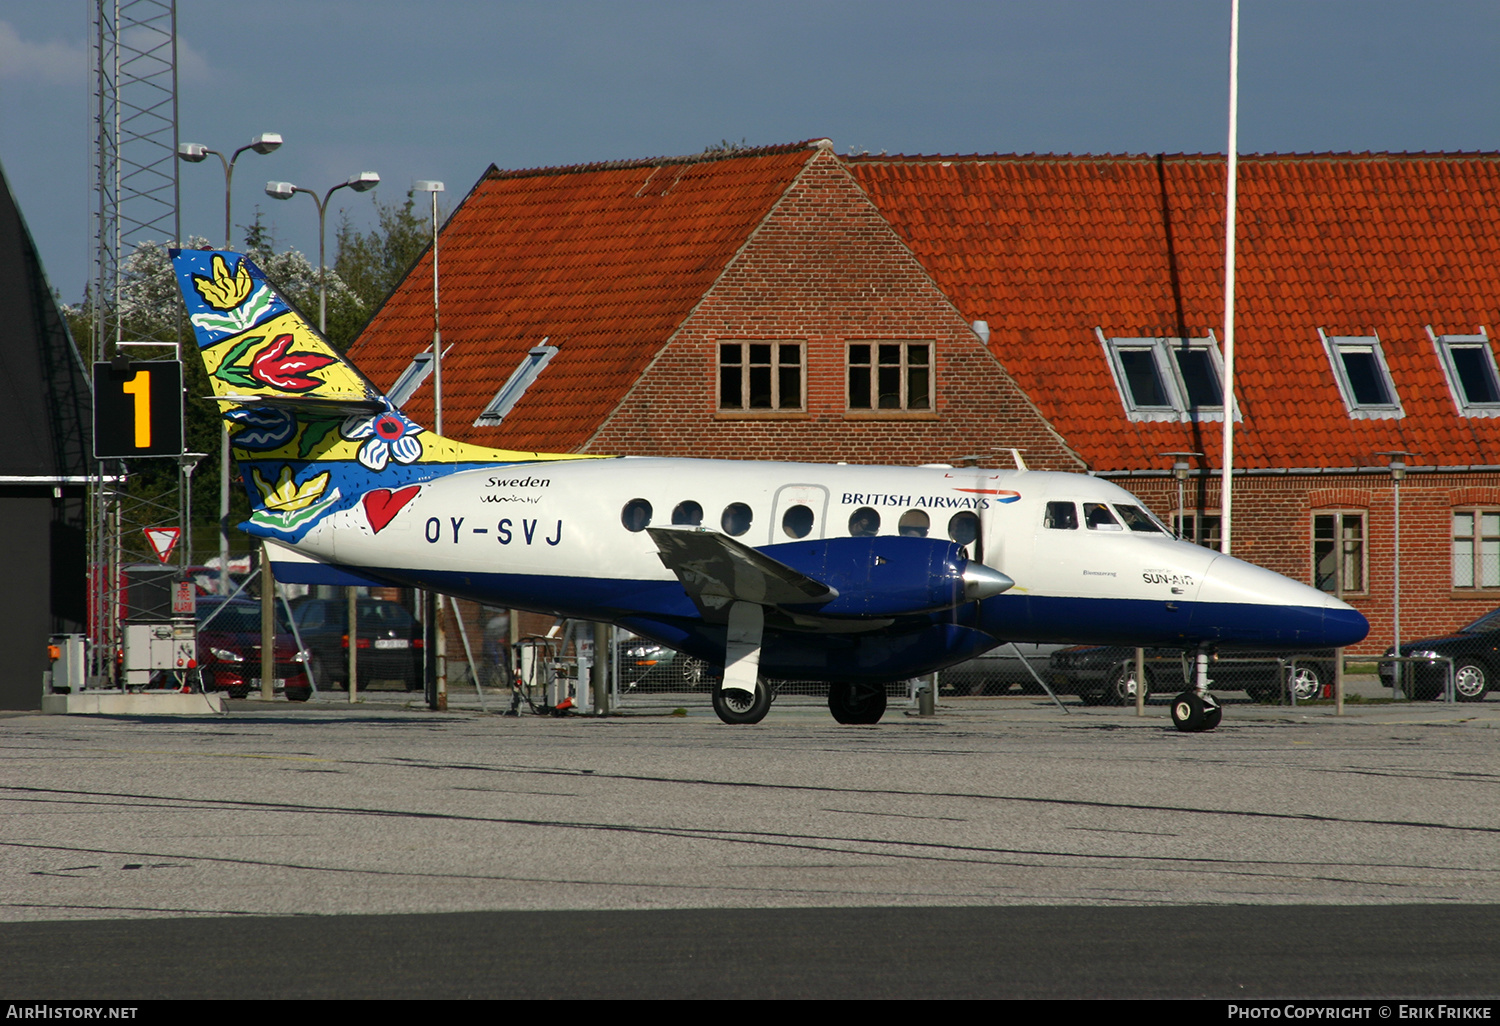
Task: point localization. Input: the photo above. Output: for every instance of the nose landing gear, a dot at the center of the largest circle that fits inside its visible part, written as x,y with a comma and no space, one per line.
1195,711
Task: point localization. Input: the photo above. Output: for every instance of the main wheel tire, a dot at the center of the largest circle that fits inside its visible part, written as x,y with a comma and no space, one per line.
1193,712
856,703
1470,682
1304,682
734,706
1121,687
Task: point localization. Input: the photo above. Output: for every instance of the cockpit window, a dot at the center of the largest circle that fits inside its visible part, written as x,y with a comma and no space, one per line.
1138,519
1061,516
1098,517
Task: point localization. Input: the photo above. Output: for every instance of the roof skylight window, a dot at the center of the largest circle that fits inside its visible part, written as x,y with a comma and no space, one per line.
1364,380
1172,379
411,379
1469,365
531,366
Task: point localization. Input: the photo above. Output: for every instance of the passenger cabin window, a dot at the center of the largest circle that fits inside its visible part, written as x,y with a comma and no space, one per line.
1097,517
913,524
1468,363
636,516
864,523
890,376
687,514
1061,516
797,522
963,528
760,376
736,519
1363,379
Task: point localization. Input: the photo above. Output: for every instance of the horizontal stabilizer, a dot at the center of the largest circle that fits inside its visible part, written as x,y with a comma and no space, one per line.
288,566
313,406
716,570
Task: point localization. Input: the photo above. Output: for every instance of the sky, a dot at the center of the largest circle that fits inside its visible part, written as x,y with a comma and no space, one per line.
443,89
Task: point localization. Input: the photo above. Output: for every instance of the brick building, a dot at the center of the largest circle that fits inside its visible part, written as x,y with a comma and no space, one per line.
787,303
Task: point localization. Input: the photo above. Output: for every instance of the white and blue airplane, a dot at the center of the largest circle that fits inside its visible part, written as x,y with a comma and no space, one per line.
857,575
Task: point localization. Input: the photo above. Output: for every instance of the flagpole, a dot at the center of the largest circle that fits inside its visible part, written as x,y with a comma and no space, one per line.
1231,197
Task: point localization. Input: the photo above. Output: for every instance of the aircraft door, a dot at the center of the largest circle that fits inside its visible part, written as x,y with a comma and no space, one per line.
798,511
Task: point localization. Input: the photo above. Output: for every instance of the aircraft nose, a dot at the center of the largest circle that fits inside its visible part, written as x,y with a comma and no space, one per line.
981,582
1343,625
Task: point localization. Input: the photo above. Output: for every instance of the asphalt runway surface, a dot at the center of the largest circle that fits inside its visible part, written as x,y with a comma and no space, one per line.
1000,849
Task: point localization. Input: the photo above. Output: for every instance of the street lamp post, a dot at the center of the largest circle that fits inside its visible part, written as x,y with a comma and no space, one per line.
1180,470
439,699
362,182
194,153
1397,467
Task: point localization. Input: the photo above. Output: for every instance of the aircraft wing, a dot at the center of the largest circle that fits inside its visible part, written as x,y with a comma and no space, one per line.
718,571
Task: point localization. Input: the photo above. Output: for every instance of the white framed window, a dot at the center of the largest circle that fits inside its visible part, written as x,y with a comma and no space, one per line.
1476,548
1468,363
1170,379
1364,380
1206,529
531,366
1339,552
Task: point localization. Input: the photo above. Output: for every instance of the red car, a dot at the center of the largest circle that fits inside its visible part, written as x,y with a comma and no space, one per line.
229,650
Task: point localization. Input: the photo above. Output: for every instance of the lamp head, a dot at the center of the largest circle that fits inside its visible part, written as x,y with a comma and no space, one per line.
427,186
280,190
192,152
364,181
265,142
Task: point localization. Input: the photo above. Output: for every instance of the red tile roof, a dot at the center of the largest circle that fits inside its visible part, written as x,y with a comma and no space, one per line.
606,260
1047,248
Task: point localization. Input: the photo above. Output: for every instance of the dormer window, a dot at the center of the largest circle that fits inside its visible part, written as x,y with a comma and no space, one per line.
530,367
1364,380
1469,365
1172,379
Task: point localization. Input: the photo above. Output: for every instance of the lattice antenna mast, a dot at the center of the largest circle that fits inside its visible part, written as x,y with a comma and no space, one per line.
135,181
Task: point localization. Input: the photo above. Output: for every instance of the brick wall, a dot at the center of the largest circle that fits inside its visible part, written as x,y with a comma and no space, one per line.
825,269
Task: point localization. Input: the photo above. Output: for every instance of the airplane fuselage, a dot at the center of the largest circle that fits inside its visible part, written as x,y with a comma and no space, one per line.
569,538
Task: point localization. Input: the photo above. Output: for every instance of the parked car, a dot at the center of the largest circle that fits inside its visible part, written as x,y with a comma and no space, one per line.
1475,653
1105,674
997,671
647,665
388,640
229,649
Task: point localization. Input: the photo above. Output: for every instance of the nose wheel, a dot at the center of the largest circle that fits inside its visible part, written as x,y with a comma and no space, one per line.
1196,711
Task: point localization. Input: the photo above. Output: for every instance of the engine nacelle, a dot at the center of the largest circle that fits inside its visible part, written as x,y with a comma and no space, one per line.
887,576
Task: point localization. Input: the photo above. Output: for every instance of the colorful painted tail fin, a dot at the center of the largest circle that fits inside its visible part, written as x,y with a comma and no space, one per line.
311,432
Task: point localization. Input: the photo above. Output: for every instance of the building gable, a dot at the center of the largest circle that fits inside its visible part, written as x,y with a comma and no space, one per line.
824,272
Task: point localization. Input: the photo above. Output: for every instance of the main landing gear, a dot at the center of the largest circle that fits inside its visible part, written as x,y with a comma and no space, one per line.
734,705
1195,711
856,703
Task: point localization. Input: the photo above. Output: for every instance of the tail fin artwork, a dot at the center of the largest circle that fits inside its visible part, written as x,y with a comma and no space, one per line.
312,434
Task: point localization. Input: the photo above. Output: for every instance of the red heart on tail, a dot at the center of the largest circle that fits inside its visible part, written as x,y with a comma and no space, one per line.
382,504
